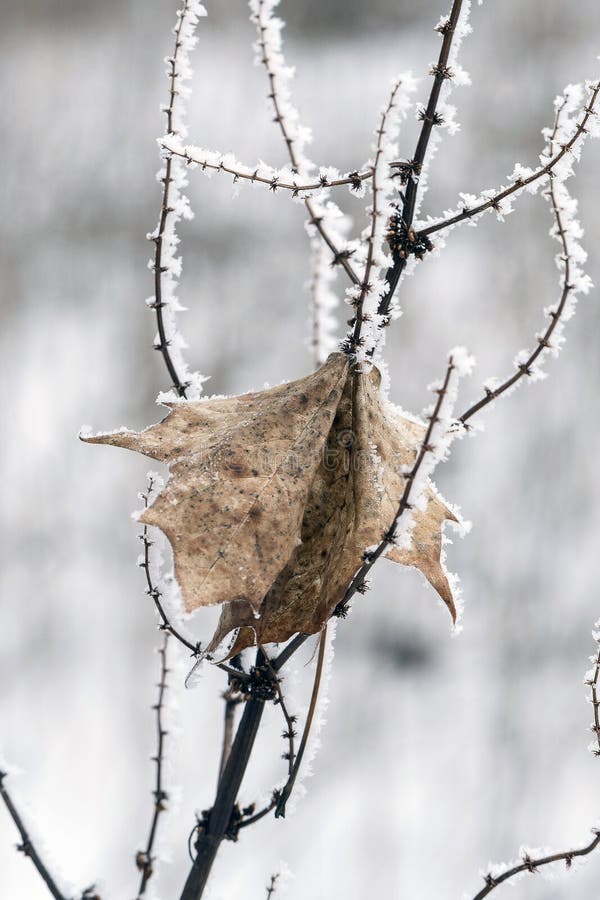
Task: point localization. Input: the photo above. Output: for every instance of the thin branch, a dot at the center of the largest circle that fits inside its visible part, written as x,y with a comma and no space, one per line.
521,183
275,181
256,817
153,591
592,682
144,858
26,846
525,367
532,865
289,786
166,210
430,119
354,339
338,255
288,651
272,886
358,583
290,733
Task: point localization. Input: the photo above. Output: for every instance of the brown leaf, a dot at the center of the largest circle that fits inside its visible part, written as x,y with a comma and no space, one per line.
241,470
352,502
275,496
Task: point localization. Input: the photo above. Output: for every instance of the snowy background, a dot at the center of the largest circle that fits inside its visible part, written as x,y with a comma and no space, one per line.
439,753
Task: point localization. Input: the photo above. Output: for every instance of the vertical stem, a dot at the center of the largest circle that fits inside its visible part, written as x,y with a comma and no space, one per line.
410,198
209,842
229,719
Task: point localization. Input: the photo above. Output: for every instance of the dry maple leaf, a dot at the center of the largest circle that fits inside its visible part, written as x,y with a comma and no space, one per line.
274,497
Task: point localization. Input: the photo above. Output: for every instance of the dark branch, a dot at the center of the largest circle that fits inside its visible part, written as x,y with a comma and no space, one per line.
189,154
592,683
144,859
429,121
165,211
521,183
290,733
532,865
26,847
289,786
272,886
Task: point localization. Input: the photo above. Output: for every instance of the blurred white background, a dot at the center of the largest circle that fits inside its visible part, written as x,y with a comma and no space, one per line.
439,753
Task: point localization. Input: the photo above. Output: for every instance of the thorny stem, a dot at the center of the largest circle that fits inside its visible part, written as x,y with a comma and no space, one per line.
544,341
430,118
353,178
366,287
144,858
165,210
288,788
272,886
522,183
290,732
338,256
358,582
532,865
26,846
209,841
595,701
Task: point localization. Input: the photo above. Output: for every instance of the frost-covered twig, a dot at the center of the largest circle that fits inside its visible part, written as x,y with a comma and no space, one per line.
434,447
566,231
532,864
274,179
525,178
144,859
592,681
364,298
431,118
289,786
174,206
325,222
27,846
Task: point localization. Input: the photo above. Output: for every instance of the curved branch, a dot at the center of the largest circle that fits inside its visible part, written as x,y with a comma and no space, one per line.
274,180
525,367
289,786
521,183
158,236
144,858
532,865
